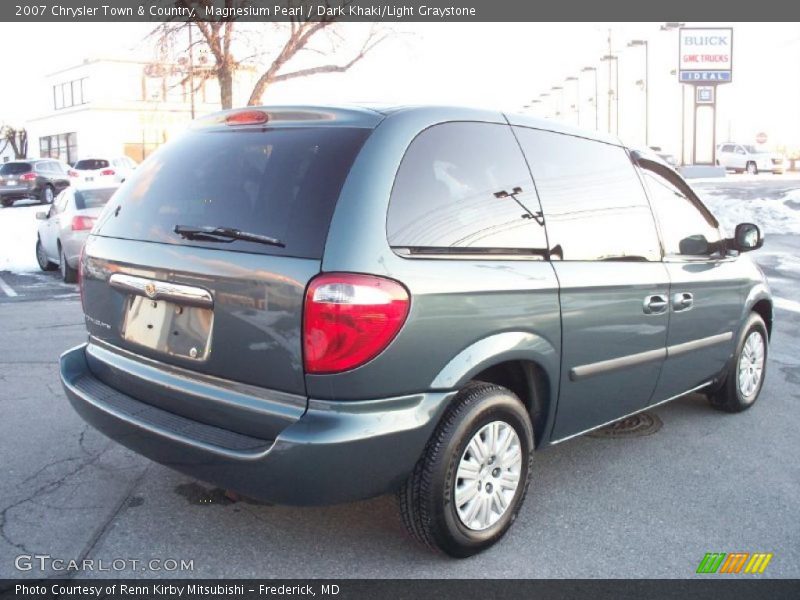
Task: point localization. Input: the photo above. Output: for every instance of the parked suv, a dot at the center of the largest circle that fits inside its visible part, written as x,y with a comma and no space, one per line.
744,157
38,178
107,171
318,305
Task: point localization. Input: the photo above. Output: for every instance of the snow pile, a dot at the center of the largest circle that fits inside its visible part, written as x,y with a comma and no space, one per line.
772,215
18,230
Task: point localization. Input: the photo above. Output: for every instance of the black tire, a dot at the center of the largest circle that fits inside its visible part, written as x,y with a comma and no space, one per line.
751,168
427,498
46,195
68,274
41,258
729,396
6,202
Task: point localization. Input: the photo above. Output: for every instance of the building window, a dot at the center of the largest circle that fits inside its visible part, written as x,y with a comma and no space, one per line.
63,146
70,93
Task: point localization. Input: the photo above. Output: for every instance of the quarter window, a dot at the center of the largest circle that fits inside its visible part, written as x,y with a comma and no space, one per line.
465,186
595,207
682,224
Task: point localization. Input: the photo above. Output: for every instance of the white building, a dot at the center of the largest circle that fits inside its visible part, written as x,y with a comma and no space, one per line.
116,107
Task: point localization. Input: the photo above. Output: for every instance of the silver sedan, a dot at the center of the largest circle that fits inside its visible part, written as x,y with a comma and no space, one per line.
64,228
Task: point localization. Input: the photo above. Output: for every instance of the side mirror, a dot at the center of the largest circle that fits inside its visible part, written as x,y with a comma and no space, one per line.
694,245
747,237
41,215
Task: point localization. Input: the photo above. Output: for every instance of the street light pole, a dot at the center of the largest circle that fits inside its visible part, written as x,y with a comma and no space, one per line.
596,107
558,88
577,97
191,70
671,26
631,44
615,92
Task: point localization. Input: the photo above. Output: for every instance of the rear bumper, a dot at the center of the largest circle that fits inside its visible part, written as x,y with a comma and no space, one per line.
336,452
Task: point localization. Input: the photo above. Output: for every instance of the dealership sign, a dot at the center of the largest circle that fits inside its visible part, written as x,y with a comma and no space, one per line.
705,55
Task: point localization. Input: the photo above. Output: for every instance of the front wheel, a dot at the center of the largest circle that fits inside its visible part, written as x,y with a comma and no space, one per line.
6,202
46,195
752,169
469,484
748,368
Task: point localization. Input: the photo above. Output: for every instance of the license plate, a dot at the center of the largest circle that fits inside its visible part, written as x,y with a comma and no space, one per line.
11,182
88,178
170,328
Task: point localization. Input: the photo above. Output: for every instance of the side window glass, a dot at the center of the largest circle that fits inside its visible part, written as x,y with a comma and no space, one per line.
684,229
465,186
595,207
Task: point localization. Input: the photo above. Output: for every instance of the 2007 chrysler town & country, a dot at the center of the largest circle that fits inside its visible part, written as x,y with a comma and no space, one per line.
314,305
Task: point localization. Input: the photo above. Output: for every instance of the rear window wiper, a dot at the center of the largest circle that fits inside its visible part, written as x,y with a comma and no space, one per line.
211,233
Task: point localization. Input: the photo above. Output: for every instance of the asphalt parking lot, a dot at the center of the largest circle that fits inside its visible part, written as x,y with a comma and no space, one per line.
599,506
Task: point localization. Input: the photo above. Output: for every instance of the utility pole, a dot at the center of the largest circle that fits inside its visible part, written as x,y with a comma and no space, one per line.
672,26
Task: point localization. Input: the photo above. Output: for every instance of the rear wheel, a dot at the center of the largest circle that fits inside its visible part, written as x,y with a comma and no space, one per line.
745,377
6,202
469,484
41,258
46,195
68,274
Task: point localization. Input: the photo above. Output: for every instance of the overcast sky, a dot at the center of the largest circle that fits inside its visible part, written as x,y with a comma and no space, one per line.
493,65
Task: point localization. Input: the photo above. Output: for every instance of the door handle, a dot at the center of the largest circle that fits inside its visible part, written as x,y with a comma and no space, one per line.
682,301
655,304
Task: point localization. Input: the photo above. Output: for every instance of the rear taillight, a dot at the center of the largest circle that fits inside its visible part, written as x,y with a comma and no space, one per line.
80,223
72,173
349,319
107,172
27,177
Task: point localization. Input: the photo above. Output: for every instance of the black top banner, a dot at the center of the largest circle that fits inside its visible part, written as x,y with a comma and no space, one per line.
394,10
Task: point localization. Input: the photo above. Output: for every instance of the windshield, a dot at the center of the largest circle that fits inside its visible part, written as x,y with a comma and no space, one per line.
91,164
282,183
93,198
751,149
15,168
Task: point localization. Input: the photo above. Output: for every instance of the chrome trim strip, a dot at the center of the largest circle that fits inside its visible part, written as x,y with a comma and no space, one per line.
636,412
162,290
686,347
613,364
633,360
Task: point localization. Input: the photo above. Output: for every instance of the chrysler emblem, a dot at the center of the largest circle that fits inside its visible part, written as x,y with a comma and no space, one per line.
150,290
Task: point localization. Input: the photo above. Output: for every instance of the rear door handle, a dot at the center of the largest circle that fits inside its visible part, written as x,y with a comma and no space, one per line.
682,301
655,304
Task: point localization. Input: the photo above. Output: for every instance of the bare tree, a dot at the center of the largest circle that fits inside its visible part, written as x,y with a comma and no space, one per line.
220,37
16,138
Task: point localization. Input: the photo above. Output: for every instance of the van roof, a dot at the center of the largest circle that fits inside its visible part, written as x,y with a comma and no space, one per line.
370,114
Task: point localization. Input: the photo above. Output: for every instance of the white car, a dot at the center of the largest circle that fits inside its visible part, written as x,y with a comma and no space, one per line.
744,157
64,227
100,171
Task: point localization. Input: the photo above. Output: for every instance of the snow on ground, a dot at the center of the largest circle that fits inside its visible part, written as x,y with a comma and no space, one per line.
18,230
774,213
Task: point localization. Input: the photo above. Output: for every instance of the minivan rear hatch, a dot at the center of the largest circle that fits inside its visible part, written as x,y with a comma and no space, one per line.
201,259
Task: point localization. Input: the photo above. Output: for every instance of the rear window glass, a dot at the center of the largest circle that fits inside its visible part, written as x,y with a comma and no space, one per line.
93,198
90,164
15,168
281,183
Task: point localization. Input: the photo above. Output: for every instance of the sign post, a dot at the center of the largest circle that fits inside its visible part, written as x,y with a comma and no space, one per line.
705,60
